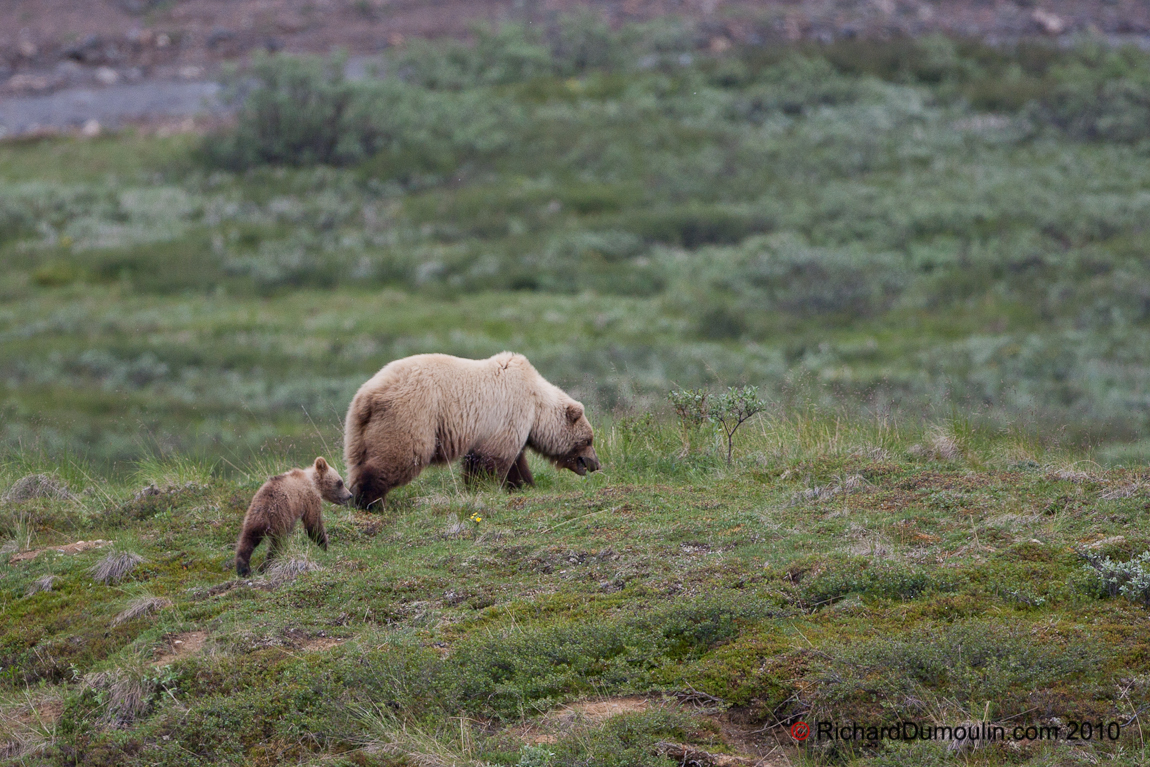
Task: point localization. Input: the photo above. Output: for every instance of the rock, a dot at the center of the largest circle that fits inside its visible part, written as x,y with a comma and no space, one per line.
1051,23
85,50
219,35
291,24
91,129
28,82
107,76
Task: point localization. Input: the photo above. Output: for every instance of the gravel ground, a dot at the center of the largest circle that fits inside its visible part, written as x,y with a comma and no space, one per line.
94,109
65,64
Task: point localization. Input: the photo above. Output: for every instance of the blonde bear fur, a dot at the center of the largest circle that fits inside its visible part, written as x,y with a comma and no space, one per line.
281,502
435,409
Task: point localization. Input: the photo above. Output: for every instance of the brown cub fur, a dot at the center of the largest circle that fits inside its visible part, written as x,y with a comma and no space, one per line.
284,499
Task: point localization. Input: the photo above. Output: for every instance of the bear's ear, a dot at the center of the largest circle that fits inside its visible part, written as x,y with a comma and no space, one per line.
320,466
574,412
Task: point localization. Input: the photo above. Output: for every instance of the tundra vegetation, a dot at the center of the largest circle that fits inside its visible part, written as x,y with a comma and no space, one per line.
922,261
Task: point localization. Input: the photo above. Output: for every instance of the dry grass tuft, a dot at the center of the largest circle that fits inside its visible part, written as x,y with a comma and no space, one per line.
288,569
40,584
871,453
38,486
1070,475
115,566
1125,491
819,493
141,607
127,695
28,722
940,447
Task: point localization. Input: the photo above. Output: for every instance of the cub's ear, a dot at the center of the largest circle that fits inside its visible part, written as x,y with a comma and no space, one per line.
574,412
320,465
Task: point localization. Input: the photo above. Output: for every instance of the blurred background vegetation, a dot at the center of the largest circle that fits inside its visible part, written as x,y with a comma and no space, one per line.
919,228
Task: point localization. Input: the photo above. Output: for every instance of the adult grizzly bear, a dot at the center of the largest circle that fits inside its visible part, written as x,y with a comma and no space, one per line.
281,502
435,408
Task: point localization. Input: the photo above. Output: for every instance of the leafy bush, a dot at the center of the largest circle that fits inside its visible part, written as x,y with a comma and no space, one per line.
964,661
1130,579
867,579
295,113
572,45
1103,96
301,111
783,274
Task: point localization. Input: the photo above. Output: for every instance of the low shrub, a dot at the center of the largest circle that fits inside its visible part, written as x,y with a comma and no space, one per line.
1104,95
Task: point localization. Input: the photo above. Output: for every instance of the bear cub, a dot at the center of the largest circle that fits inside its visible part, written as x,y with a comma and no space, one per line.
280,502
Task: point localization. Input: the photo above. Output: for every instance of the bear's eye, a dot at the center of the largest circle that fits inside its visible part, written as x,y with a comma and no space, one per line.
339,484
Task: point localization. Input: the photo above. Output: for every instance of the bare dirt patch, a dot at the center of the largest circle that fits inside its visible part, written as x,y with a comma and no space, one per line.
696,757
26,727
180,645
598,710
70,548
743,741
319,644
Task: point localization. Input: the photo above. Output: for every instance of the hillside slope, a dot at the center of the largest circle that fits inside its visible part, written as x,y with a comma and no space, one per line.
666,606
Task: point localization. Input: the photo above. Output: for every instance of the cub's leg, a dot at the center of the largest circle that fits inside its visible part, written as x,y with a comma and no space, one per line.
313,523
275,543
249,539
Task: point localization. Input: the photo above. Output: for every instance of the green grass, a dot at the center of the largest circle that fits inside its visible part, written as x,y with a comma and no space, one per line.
933,590
836,224
928,256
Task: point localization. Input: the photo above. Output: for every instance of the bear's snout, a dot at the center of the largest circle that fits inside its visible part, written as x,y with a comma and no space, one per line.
587,462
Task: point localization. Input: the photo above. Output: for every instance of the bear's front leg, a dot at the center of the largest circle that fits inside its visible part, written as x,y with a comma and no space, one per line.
478,467
520,474
313,523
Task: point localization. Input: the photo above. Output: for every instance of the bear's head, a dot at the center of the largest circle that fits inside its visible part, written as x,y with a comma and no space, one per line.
576,453
329,483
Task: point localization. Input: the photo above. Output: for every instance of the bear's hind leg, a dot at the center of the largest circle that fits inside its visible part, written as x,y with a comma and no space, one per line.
520,474
275,543
369,487
249,539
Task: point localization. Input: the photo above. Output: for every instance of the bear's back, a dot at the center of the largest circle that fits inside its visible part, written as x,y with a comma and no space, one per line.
431,381
285,497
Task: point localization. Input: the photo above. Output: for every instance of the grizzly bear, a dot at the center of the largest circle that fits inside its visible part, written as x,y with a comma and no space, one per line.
435,408
280,502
